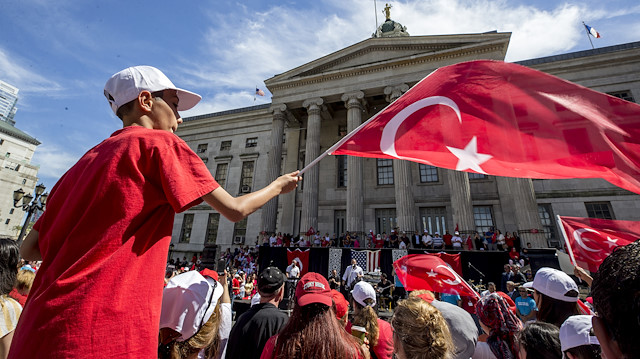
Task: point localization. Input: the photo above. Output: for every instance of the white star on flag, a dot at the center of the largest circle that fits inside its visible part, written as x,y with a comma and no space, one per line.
431,273
612,242
469,158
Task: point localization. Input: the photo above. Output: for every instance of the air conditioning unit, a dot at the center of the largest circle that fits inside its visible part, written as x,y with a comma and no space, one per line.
245,189
238,240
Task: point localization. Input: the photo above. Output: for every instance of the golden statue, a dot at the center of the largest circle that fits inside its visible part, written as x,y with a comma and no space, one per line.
387,11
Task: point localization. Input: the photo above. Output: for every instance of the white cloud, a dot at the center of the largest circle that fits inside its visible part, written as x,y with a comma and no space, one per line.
21,77
225,101
54,161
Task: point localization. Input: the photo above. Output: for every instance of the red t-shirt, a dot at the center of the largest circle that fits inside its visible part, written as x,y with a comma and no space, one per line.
104,240
384,348
447,239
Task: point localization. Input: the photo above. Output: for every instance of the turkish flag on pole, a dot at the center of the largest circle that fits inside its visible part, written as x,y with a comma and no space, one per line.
592,239
453,260
302,257
505,119
427,271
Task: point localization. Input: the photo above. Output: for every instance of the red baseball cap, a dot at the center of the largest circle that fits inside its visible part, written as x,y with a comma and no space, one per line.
313,288
342,306
209,273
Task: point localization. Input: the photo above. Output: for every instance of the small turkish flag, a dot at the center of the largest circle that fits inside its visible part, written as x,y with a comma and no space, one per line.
593,239
310,232
426,271
504,119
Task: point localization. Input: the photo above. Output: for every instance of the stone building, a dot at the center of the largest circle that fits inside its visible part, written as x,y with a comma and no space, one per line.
315,104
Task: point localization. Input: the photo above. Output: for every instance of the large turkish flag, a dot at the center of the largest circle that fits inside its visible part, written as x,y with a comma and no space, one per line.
505,119
300,256
428,271
593,239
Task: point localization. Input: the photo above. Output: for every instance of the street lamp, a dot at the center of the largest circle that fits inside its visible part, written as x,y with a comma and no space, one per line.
29,205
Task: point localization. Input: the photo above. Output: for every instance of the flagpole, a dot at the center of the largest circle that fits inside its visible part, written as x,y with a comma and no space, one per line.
588,37
255,92
566,241
375,9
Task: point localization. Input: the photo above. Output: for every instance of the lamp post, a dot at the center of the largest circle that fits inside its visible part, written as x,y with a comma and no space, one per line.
29,204
170,251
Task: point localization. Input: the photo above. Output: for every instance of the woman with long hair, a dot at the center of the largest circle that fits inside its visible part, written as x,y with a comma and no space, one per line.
420,331
501,325
379,332
556,296
539,340
9,307
313,331
194,308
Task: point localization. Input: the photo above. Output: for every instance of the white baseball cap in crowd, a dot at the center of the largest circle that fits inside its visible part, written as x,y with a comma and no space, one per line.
125,86
363,290
555,284
456,233
577,331
188,301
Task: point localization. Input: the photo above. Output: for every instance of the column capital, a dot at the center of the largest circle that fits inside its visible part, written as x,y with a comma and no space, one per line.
395,91
353,100
278,109
313,104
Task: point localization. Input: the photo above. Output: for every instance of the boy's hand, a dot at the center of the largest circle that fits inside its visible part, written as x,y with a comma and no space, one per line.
288,182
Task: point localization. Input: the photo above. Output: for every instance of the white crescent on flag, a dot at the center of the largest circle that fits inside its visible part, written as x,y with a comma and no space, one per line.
388,138
297,259
455,275
577,235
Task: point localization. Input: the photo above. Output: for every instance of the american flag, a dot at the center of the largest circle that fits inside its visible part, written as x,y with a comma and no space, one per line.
368,260
259,92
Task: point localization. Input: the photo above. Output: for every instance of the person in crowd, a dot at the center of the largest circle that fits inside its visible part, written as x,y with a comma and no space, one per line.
255,326
157,175
235,288
479,242
23,285
456,241
501,326
191,317
452,298
379,333
447,239
539,340
506,276
384,289
438,242
490,238
577,339
583,275
352,274
555,294
342,307
462,326
615,296
526,308
500,240
517,277
416,240
293,271
11,309
427,240
334,280
491,288
509,241
512,291
378,242
313,330
420,331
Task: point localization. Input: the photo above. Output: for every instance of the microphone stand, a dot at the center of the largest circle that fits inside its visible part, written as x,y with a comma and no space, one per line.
477,270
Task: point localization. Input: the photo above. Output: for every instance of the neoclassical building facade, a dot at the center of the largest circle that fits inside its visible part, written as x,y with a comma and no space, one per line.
316,104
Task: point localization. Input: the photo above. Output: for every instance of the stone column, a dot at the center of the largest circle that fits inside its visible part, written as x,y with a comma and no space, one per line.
312,176
405,203
518,202
353,101
274,164
291,164
461,205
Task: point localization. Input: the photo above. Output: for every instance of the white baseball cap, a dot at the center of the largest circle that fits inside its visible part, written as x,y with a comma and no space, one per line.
125,86
363,290
188,301
554,283
576,331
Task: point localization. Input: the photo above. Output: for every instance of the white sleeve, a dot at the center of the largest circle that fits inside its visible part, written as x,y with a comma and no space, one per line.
225,329
346,274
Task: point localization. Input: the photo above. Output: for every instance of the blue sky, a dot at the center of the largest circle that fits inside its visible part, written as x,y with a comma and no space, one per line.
60,53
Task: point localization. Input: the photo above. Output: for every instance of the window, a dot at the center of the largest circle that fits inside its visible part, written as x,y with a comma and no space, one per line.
599,210
625,95
342,171
202,148
548,224
483,218
187,225
11,211
246,177
24,181
339,220
428,173
251,142
433,219
476,176
212,228
386,220
221,174
7,221
225,145
385,171
240,231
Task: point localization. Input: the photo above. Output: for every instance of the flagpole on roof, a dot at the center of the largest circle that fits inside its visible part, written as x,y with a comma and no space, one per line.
255,93
588,37
375,9
566,241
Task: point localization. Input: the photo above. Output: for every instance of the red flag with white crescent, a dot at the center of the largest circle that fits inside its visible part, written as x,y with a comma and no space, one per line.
504,119
300,256
593,239
453,260
427,271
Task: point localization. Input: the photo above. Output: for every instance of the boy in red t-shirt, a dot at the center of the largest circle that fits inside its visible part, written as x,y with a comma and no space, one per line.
104,237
